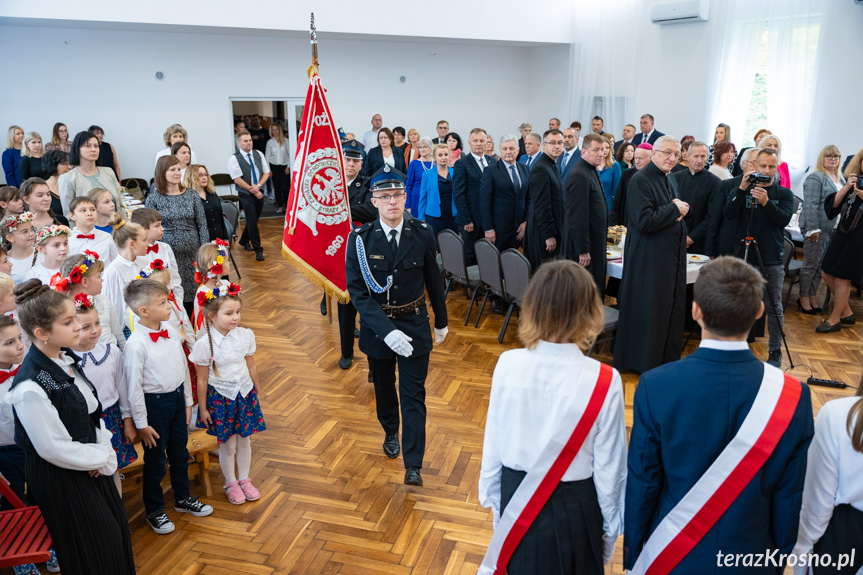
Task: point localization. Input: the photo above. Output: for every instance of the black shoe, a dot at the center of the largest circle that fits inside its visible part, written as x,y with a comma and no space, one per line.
775,358
194,507
413,477
497,306
345,362
371,377
160,523
391,446
850,320
826,327
259,256
247,247
800,308
356,333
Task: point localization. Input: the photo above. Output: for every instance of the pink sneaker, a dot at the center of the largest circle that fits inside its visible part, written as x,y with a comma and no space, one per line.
249,490
234,493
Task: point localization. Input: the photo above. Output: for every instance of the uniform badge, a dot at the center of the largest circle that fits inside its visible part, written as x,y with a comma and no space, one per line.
322,191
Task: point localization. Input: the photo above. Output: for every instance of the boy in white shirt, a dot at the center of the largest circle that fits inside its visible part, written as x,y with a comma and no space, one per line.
151,221
85,236
160,396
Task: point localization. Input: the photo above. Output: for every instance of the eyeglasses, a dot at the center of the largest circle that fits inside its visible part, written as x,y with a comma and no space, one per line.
833,157
391,198
668,153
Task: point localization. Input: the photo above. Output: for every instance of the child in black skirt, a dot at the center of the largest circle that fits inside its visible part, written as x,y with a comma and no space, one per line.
68,455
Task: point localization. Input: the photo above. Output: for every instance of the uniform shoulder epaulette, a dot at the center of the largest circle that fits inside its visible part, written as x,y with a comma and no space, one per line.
421,224
365,227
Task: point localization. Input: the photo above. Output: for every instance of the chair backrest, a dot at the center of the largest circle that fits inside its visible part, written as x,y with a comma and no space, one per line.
516,269
225,180
232,216
797,202
488,260
789,251
452,255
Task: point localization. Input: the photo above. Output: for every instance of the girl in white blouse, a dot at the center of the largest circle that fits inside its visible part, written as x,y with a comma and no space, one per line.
831,518
533,391
228,403
52,247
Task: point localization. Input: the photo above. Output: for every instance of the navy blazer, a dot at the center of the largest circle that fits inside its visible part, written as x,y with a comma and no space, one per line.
639,138
502,204
523,159
465,188
375,161
573,160
684,414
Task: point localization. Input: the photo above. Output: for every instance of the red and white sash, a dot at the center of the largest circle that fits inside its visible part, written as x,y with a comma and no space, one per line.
699,510
539,483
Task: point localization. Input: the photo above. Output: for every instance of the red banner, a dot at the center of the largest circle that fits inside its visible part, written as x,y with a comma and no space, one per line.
318,218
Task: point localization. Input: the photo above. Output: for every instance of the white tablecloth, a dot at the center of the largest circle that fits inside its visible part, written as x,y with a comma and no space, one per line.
615,270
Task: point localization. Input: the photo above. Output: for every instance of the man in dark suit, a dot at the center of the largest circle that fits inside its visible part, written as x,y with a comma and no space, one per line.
387,274
571,153
503,193
597,124
700,189
524,130
466,176
442,130
546,207
628,135
648,134
694,408
586,221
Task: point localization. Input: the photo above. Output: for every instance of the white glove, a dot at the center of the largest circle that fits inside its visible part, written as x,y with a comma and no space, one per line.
440,334
399,342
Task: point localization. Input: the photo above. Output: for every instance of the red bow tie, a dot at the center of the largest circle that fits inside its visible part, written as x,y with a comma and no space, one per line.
86,236
4,375
154,248
157,334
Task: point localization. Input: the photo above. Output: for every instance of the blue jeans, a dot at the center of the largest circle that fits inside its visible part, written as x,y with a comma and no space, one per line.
166,413
775,276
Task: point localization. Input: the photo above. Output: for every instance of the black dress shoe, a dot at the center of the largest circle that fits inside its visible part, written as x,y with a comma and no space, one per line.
248,247
497,306
259,255
356,333
324,305
345,362
800,308
775,358
849,320
827,327
413,477
391,446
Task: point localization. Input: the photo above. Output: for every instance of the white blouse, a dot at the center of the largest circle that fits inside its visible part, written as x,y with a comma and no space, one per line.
21,268
41,273
103,366
7,418
833,473
531,392
48,434
112,328
277,155
230,352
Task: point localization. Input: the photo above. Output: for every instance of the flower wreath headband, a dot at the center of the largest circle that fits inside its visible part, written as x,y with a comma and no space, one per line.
155,266
207,295
61,283
22,218
50,232
84,302
215,270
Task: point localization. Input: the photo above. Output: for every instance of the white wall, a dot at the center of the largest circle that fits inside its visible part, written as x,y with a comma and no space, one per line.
106,77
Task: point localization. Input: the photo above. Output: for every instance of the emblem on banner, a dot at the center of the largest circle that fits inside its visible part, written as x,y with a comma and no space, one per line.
322,191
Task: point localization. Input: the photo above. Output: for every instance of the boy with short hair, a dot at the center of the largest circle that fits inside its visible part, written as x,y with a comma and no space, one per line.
151,220
85,236
160,396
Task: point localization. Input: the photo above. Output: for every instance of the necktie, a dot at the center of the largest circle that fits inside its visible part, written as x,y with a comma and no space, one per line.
563,164
154,248
157,334
529,160
4,375
252,164
481,167
514,175
86,236
393,243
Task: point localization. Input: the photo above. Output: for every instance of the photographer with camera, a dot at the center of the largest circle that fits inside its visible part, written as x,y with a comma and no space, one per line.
843,263
767,208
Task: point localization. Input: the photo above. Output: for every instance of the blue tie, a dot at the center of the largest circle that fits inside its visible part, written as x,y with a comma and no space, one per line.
514,175
252,164
529,160
563,164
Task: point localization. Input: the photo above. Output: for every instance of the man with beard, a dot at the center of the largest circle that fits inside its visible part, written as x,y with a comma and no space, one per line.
571,153
700,189
586,223
545,215
653,286
618,208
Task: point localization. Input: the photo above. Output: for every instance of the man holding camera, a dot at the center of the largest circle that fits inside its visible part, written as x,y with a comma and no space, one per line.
766,207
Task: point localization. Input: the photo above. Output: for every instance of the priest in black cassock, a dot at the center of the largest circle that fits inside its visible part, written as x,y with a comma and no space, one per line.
700,189
546,208
652,299
586,222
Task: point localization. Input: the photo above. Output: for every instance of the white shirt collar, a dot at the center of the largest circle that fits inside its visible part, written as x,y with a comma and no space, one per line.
478,158
127,263
724,345
543,346
535,156
216,336
398,229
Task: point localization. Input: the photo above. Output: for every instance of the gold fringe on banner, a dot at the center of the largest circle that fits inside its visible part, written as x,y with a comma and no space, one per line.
314,275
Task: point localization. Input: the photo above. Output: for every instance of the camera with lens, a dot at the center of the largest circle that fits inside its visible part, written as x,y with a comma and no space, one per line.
758,179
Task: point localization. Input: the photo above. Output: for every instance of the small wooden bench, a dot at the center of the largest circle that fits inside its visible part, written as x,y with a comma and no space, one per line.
23,536
200,444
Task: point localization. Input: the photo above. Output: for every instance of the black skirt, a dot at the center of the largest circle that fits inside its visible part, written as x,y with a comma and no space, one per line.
566,537
85,517
844,533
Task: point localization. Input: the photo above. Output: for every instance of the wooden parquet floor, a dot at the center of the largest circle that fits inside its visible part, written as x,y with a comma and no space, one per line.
332,502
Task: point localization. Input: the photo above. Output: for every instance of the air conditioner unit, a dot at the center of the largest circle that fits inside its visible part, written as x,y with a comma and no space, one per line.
680,11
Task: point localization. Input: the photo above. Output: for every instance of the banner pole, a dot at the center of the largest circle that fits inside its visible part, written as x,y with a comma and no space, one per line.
314,39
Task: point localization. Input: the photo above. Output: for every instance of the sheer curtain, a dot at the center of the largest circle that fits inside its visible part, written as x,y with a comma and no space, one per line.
603,67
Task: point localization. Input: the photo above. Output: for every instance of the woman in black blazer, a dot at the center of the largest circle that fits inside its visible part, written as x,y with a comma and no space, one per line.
384,153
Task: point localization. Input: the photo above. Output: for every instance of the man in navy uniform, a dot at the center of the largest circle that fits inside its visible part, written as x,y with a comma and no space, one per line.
390,264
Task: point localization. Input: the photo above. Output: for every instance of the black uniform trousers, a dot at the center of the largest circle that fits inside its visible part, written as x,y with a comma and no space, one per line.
412,377
166,414
252,207
347,325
